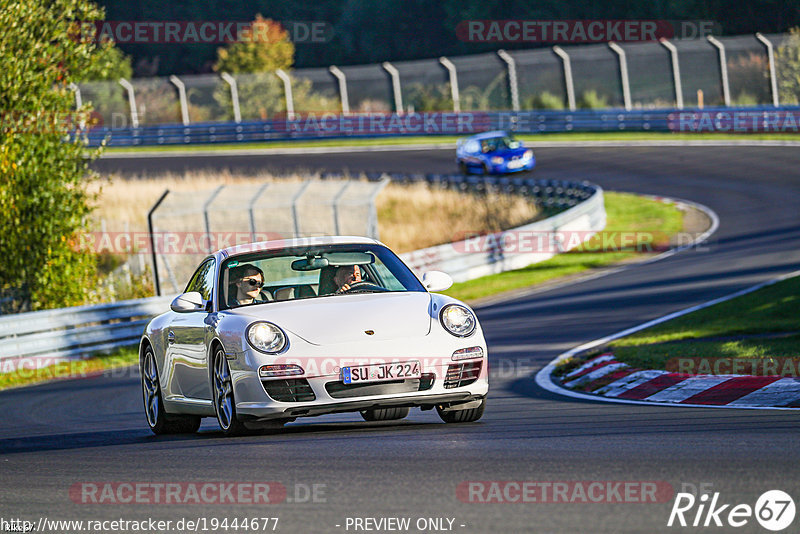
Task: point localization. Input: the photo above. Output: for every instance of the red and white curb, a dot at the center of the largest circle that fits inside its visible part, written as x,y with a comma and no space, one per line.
626,385
603,375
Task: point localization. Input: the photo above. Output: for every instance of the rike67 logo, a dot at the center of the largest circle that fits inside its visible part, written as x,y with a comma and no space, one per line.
774,510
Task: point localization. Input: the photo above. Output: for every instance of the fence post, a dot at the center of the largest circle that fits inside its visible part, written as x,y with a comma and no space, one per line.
287,91
372,222
396,89
723,69
206,204
773,77
676,71
570,88
77,91
153,239
182,96
335,205
251,206
336,71
295,198
451,69
231,81
511,66
623,73
131,101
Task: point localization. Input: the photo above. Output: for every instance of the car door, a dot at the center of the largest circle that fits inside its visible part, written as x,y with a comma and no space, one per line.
186,340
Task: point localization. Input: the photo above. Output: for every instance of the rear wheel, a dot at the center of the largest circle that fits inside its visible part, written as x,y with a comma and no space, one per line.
224,402
160,421
451,415
384,414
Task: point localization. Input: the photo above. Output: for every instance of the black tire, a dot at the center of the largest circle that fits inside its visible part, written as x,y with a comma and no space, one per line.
462,416
159,421
222,396
462,168
385,414
485,169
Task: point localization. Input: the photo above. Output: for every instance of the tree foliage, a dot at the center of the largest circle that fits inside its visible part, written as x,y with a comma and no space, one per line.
787,60
43,170
268,48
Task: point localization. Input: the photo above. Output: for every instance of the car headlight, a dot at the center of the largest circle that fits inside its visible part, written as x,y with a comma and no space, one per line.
266,337
458,320
497,160
528,154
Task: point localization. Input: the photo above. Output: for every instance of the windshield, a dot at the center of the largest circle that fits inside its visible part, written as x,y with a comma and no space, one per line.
500,143
312,272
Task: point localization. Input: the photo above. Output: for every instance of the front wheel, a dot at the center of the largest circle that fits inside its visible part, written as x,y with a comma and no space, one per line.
224,402
468,415
159,421
384,414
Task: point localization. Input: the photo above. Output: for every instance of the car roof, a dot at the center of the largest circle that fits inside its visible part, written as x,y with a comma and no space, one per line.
489,135
278,244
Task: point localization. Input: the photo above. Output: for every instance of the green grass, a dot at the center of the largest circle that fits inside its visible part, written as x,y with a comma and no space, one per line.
531,139
654,223
93,365
706,333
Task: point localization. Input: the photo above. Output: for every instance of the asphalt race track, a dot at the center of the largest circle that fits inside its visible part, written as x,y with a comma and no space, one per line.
57,435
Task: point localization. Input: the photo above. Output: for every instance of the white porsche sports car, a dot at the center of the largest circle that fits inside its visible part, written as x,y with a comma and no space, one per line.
268,332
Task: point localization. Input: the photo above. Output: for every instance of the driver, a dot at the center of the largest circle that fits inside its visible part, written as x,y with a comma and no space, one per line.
247,281
346,276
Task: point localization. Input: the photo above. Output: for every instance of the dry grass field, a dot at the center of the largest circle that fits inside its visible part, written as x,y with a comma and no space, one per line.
410,217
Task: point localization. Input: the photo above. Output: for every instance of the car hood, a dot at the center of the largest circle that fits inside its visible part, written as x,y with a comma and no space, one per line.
509,152
346,318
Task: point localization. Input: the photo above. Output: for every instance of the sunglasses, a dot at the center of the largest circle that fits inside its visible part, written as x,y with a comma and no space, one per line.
253,282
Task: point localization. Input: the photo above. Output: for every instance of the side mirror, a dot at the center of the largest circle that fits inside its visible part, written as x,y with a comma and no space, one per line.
188,302
436,281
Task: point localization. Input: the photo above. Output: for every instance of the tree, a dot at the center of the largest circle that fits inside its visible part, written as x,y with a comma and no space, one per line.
43,169
787,66
268,49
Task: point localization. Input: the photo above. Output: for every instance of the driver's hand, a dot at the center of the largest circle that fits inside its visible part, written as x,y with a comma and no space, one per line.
343,288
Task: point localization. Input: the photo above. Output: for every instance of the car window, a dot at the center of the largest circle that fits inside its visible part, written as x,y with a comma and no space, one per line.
203,280
310,272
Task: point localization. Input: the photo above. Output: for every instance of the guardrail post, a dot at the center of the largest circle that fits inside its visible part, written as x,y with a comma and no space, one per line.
131,101
336,71
570,88
77,92
182,96
335,205
287,92
511,66
295,198
231,81
723,69
773,77
251,206
451,69
153,239
206,204
676,71
396,90
623,73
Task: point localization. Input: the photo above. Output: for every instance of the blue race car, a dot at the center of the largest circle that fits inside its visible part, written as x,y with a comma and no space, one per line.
493,153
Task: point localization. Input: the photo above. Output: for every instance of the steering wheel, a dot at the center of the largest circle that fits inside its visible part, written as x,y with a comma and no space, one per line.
364,287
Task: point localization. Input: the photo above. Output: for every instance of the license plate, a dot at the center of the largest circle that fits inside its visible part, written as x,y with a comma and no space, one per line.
382,372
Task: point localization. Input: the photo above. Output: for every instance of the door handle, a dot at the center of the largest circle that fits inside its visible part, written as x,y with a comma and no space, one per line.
171,337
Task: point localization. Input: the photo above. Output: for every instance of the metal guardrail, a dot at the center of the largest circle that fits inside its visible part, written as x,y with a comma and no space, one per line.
37,339
332,126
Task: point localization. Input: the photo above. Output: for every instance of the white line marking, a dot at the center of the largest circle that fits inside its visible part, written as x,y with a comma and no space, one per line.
594,375
590,363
